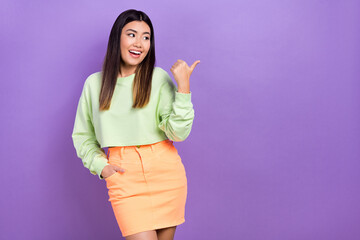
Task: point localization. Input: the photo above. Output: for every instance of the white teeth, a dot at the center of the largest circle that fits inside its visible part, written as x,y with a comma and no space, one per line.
134,52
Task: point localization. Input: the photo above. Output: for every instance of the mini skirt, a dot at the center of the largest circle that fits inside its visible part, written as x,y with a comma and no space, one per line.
151,193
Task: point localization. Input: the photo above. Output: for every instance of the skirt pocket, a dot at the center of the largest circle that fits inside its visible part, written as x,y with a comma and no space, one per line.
169,161
169,155
111,176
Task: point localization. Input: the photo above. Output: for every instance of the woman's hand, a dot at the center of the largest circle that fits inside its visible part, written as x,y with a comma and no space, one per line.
182,72
109,170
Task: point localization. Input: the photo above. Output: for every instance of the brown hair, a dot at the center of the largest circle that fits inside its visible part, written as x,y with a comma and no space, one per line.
111,65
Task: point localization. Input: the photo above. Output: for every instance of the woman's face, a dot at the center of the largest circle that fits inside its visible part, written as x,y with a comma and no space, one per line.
135,36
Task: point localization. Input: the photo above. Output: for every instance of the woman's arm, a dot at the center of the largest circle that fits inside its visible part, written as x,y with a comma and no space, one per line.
176,112
84,139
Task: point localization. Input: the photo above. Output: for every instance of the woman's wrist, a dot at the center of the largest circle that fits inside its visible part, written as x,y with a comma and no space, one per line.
183,89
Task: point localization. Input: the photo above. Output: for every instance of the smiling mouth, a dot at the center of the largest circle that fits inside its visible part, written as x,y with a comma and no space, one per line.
135,54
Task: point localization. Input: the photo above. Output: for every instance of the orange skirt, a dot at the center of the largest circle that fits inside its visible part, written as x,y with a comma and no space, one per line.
151,193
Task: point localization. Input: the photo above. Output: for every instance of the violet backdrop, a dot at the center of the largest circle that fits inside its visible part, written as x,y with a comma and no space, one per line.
275,145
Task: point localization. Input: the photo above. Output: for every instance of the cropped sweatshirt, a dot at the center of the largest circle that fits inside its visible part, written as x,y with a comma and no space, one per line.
168,115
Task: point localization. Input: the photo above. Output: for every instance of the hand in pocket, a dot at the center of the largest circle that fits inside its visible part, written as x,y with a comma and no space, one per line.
110,170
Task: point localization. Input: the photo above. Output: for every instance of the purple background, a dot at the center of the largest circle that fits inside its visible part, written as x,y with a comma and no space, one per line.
274,150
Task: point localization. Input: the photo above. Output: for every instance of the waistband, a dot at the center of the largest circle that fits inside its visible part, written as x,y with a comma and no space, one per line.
154,146
164,142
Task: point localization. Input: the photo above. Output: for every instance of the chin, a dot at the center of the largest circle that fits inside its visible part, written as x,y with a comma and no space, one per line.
131,63
136,63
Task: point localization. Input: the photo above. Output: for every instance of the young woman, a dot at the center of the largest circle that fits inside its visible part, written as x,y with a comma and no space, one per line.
135,109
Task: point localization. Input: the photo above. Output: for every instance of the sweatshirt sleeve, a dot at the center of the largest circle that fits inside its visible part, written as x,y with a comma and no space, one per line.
86,145
176,111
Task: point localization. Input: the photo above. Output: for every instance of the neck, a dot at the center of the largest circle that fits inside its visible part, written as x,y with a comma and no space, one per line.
127,70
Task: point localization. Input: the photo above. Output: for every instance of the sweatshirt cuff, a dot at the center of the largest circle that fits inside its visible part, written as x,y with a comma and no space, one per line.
182,97
98,165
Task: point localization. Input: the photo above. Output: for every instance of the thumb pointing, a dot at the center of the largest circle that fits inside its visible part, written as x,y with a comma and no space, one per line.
194,64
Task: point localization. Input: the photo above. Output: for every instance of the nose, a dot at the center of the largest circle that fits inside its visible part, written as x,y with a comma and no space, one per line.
138,42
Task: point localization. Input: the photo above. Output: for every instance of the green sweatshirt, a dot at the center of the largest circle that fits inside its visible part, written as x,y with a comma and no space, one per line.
168,115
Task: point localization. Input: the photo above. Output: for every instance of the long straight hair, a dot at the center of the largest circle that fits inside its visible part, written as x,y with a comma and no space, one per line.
111,66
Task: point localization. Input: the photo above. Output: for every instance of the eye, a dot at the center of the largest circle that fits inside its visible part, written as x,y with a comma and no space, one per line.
147,38
131,34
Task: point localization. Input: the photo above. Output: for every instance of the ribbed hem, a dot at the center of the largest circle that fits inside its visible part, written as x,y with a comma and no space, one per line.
114,142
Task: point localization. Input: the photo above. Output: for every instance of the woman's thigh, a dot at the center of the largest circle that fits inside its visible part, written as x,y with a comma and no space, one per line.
146,235
166,233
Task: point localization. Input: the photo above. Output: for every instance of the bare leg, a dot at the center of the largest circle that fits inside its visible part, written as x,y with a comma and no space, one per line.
166,233
147,235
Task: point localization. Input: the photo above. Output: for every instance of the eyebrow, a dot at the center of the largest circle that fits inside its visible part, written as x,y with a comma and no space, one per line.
136,31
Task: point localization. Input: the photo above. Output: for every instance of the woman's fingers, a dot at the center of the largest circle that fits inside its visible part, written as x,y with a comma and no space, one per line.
117,168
